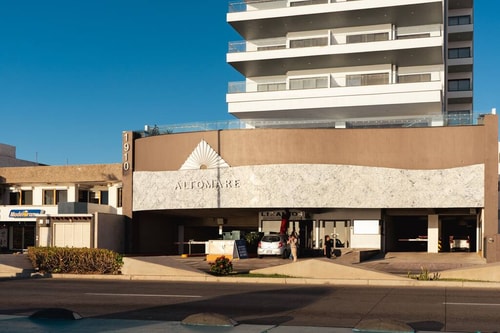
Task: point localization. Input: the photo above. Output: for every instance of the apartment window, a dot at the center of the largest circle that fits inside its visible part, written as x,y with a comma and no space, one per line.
412,36
462,117
365,38
367,79
307,2
271,47
460,52
26,197
459,85
310,42
309,83
271,86
104,197
53,197
23,197
94,197
411,78
14,198
97,197
83,196
459,20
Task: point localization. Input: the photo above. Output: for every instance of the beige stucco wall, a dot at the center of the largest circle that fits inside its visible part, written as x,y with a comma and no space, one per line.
405,149
101,173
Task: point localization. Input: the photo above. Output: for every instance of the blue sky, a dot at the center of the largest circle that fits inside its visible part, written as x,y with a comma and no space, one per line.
75,74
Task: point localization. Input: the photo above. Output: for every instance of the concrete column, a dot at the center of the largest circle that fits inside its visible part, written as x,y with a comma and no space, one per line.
432,233
317,236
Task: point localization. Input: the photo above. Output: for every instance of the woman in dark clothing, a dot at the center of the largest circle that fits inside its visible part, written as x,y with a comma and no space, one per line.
328,246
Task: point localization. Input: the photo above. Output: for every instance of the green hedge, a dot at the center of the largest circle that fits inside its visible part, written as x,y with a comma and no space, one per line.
75,260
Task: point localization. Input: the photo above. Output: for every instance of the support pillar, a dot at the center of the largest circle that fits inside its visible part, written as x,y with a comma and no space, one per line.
433,233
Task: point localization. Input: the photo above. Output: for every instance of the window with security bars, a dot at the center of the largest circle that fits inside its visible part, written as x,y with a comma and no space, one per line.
367,79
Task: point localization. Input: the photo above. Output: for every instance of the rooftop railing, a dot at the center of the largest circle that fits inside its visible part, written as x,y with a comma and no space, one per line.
451,119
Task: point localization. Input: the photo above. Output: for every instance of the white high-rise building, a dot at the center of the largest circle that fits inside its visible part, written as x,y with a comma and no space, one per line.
352,63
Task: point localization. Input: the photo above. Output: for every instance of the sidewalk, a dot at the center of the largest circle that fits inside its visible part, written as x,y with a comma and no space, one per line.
391,270
15,324
454,269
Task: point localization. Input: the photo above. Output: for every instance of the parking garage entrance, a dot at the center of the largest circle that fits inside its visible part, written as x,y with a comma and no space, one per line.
411,233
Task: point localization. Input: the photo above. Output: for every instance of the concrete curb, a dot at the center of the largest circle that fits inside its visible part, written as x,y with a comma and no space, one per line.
284,281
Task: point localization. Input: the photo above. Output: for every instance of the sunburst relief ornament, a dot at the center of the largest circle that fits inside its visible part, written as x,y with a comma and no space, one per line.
204,157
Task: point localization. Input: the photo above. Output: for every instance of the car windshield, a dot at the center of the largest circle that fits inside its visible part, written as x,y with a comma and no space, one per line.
271,239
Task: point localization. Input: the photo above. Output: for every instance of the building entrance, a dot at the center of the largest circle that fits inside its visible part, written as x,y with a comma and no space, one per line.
458,233
21,237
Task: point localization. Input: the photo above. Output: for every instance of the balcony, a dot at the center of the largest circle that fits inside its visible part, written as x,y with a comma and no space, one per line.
267,19
460,33
407,46
236,6
338,96
334,37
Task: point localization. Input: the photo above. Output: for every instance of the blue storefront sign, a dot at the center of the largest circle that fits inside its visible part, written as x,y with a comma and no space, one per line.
25,213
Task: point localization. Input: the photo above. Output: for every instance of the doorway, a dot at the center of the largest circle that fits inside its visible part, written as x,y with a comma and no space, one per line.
22,237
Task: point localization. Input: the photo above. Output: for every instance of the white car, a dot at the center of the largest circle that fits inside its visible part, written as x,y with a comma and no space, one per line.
273,245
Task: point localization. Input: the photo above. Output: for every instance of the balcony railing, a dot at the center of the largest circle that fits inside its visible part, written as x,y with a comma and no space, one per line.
453,119
332,81
249,5
330,37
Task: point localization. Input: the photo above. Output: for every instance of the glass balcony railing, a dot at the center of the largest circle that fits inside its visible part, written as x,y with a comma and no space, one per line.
462,118
248,5
330,37
332,81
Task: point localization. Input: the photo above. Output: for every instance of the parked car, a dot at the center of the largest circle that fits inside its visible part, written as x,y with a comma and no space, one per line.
459,243
273,245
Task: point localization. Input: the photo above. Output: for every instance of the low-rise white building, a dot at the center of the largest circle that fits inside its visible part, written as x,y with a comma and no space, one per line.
46,205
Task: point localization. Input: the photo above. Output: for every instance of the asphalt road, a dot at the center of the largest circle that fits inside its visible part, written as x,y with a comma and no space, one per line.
425,309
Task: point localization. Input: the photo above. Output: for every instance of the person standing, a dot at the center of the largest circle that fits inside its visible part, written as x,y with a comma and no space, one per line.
327,248
292,241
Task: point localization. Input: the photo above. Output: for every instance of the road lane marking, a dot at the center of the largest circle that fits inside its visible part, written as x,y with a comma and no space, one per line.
142,295
475,304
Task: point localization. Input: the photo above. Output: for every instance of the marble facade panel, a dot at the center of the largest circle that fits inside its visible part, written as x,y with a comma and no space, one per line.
309,185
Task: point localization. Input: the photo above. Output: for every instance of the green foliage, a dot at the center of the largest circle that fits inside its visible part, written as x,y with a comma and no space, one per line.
75,260
221,266
424,275
252,239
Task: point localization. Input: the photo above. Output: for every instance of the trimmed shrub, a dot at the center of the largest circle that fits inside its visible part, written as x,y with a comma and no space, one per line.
221,266
75,260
